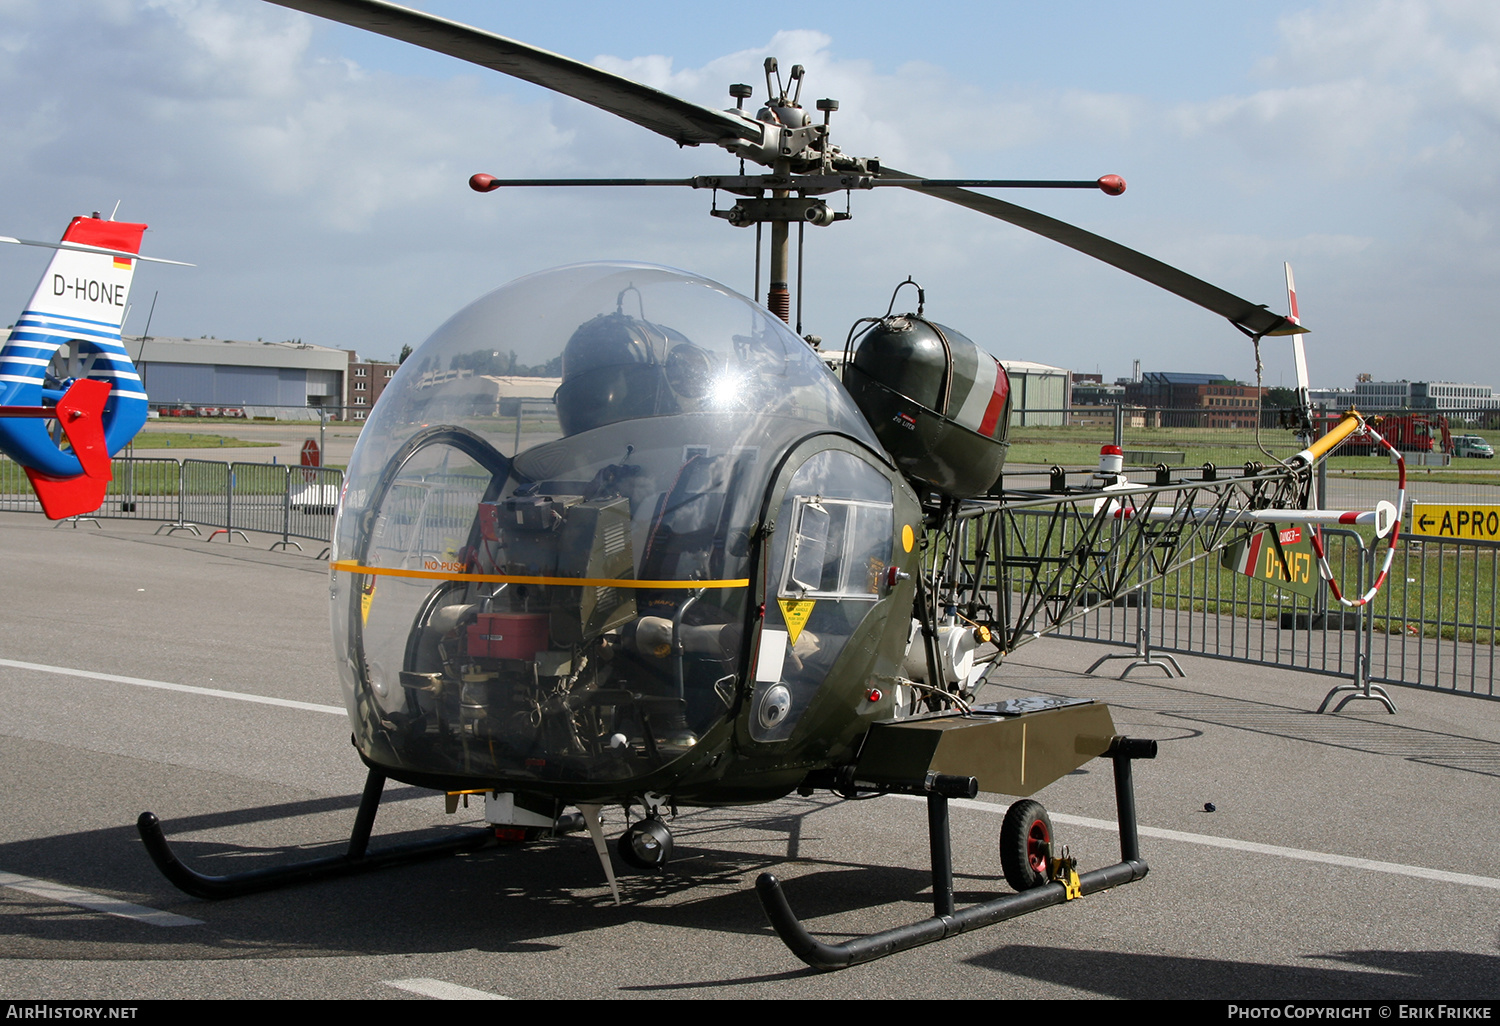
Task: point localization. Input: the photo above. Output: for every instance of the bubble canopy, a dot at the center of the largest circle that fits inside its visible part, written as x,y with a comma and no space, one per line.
542,557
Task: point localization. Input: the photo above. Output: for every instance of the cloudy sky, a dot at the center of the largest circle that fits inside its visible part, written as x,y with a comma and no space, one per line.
317,175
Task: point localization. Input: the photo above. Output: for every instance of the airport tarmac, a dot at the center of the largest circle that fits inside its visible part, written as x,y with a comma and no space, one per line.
1350,856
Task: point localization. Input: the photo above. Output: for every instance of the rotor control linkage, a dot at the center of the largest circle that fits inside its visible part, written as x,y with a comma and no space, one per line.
741,185
357,859
946,921
807,185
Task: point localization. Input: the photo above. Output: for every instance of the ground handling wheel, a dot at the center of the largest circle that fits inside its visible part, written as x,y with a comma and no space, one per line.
1026,845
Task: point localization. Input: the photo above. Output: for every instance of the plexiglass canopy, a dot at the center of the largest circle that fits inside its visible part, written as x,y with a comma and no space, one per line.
542,557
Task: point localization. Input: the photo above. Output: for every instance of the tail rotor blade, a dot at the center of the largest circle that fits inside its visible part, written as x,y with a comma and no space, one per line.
1299,358
1298,352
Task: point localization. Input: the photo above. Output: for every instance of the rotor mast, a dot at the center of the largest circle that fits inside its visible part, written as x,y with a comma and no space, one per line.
787,111
778,292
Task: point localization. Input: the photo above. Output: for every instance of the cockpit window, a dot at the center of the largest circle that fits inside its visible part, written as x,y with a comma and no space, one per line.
838,550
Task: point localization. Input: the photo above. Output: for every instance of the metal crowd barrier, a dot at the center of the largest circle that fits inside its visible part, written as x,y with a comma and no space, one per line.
1203,608
227,498
312,500
207,496
258,499
16,495
1433,624
143,489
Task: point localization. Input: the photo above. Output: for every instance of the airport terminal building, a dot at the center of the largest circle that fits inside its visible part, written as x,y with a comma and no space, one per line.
1447,397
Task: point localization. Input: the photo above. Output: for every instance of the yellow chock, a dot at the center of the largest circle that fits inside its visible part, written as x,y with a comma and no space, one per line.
1064,870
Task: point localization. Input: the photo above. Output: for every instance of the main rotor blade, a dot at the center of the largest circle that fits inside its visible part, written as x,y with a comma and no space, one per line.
1249,317
686,124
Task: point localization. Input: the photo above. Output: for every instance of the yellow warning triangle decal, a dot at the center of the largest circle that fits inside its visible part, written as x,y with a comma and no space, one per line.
796,612
367,595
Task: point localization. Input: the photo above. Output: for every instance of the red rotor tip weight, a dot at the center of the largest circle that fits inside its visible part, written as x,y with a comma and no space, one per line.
486,183
1112,185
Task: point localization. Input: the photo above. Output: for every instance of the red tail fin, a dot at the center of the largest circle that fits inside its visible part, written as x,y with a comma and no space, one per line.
64,497
81,413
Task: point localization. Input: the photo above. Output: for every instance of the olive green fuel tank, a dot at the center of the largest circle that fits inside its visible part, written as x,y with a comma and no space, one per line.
938,403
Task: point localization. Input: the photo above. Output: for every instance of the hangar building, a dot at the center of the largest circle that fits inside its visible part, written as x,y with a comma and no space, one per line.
1039,393
225,372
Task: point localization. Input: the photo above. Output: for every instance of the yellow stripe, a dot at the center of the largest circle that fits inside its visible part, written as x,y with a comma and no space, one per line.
349,566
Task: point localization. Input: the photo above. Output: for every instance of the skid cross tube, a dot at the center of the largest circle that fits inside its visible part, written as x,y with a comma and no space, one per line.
358,858
946,922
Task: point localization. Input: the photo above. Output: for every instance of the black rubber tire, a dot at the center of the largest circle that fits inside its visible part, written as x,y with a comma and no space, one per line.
1025,838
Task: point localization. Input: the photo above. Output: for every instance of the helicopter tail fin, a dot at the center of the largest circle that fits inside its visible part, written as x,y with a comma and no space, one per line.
81,297
78,308
90,286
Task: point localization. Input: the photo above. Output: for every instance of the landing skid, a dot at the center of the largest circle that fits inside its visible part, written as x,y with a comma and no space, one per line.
357,859
945,921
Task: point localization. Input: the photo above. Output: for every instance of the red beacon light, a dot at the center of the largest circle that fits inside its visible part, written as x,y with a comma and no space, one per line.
1111,461
1110,185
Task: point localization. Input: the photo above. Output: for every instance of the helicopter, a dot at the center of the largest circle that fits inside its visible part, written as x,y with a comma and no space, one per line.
65,350
711,571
